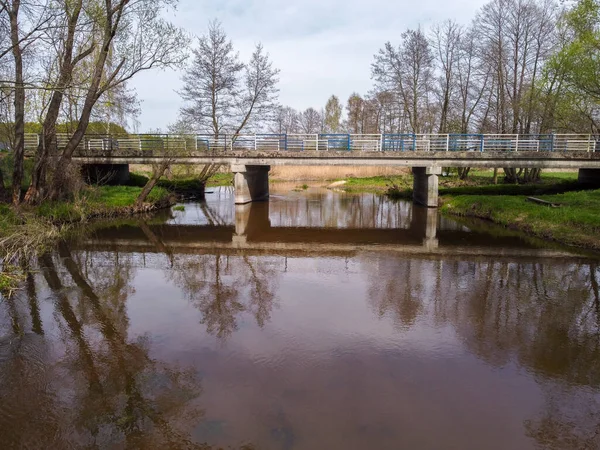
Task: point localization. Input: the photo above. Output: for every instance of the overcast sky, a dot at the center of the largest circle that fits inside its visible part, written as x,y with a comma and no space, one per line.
322,47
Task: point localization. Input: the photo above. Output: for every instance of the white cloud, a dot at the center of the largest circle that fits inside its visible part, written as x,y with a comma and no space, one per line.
322,47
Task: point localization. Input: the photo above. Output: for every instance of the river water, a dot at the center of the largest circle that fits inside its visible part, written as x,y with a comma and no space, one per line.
319,320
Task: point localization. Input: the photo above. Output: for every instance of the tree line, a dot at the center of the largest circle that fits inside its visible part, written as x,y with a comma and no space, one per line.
521,66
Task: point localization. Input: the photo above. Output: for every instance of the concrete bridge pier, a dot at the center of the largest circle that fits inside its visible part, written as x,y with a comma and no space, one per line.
105,173
425,185
590,177
250,220
424,223
251,183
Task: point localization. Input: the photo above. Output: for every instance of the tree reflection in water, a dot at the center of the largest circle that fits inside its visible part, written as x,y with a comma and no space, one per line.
546,318
223,287
105,391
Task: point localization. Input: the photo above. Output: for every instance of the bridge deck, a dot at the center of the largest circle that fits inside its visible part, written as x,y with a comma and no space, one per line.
565,160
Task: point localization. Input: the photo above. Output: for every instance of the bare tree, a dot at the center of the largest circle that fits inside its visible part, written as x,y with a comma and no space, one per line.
311,121
286,121
259,98
211,83
408,71
446,41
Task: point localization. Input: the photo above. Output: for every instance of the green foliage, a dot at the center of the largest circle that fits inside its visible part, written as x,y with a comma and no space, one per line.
579,56
179,208
59,212
182,185
7,164
123,196
220,179
136,179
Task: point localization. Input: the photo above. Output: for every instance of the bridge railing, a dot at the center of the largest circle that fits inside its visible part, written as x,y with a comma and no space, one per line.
189,145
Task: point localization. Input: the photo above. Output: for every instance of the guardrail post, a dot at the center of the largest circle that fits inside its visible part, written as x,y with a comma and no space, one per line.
349,144
317,141
481,145
517,143
589,142
414,142
447,142
381,142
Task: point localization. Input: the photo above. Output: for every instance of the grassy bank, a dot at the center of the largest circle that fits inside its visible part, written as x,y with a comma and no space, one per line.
575,222
29,230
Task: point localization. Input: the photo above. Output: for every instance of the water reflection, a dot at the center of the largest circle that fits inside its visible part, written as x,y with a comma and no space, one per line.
262,328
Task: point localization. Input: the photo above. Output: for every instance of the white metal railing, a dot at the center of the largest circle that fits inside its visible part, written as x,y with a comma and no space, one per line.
328,142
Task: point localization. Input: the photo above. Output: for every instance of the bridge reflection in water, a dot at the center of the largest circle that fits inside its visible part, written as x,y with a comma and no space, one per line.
311,228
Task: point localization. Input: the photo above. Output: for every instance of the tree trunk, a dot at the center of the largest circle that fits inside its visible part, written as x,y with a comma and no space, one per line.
94,91
2,187
47,142
19,148
156,174
495,177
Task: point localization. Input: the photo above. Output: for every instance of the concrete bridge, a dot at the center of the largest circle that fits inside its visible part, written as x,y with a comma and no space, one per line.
253,234
251,156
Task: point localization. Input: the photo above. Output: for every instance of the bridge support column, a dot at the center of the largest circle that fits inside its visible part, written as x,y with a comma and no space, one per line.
590,177
425,185
250,221
105,173
251,183
424,222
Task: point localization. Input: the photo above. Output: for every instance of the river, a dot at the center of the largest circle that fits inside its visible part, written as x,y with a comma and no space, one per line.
318,320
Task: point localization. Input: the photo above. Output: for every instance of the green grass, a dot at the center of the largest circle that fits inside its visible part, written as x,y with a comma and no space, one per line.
576,222
179,208
220,179
375,184
97,200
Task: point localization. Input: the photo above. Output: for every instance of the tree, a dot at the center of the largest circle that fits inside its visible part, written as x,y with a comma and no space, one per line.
311,121
579,57
133,37
25,22
408,71
211,83
333,115
286,121
259,98
222,94
354,111
446,44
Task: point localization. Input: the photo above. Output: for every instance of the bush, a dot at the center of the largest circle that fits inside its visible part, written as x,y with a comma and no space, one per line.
136,179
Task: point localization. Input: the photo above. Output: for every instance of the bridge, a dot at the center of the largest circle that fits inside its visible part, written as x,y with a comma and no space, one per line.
426,236
251,156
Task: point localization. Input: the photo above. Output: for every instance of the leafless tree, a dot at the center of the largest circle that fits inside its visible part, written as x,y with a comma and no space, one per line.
222,94
408,71
311,121
446,41
286,121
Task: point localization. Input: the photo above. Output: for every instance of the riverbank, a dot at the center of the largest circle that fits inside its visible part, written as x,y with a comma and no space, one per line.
27,231
575,220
